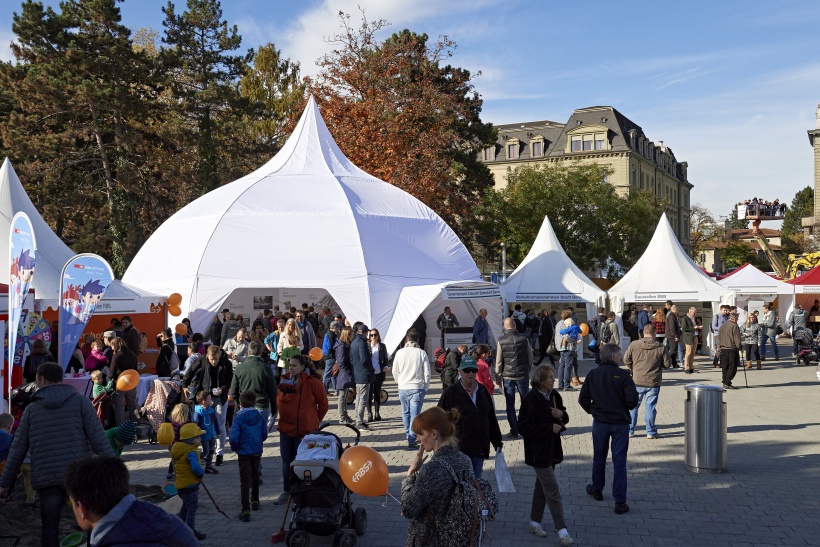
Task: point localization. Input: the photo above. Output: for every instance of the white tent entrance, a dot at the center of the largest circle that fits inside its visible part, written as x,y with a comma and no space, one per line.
666,272
309,218
548,275
754,287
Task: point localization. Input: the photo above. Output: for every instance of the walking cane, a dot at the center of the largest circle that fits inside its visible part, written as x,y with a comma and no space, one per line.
214,501
743,366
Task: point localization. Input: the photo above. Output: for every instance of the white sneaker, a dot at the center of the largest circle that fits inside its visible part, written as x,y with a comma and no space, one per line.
566,540
537,530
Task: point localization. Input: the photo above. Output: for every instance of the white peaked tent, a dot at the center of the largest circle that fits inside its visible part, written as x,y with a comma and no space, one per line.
308,218
665,272
52,254
749,283
548,275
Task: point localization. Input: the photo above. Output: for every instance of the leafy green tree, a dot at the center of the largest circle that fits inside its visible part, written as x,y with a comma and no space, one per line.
275,91
204,80
596,227
793,239
78,88
738,253
736,223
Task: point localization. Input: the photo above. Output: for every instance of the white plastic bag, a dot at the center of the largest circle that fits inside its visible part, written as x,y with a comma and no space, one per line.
502,473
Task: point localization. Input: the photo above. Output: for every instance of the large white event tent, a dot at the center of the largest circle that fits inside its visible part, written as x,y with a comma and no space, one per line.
52,254
547,274
749,283
666,272
309,218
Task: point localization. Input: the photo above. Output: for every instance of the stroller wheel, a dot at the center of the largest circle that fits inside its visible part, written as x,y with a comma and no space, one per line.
347,539
383,396
360,521
298,538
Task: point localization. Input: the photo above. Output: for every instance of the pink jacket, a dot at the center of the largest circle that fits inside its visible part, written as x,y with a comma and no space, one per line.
95,360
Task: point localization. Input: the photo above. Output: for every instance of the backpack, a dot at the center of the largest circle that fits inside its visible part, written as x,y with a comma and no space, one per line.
472,504
174,362
605,333
440,355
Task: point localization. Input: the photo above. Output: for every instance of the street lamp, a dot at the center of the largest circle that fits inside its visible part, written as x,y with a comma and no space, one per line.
503,261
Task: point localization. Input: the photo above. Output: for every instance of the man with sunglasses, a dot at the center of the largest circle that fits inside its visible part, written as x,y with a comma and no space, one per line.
477,425
307,332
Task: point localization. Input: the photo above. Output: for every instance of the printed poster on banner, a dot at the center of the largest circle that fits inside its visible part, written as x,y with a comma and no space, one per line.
22,247
82,286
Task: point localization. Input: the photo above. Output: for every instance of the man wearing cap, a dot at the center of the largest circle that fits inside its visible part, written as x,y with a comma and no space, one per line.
58,427
122,435
107,337
477,425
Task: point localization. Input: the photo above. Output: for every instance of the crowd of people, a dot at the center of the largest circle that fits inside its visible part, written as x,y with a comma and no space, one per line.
762,208
244,386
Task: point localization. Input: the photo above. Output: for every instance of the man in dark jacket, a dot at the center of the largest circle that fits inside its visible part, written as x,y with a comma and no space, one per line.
363,372
102,504
513,364
644,318
213,373
59,426
545,334
229,328
257,376
214,332
481,329
645,359
673,334
609,394
130,334
452,362
477,425
729,342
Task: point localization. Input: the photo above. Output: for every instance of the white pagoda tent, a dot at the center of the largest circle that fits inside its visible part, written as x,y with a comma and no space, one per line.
751,284
666,272
310,219
52,254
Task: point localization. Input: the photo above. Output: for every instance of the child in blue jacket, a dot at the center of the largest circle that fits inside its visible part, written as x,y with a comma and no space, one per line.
205,418
248,432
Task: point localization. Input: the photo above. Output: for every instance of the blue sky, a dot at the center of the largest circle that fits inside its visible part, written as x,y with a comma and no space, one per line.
730,86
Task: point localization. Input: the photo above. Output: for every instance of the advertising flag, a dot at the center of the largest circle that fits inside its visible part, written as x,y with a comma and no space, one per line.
83,283
22,246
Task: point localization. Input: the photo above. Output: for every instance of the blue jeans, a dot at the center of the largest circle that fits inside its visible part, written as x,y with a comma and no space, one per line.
411,401
190,501
52,501
763,339
601,435
478,465
327,378
680,352
565,368
287,446
221,414
521,385
651,394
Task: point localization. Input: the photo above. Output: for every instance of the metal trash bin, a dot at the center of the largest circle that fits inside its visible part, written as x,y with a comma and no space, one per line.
705,428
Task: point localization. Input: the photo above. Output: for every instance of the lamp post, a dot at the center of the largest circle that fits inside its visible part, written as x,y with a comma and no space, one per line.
503,261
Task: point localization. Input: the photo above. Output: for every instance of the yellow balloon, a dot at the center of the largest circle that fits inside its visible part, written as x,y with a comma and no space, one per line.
364,471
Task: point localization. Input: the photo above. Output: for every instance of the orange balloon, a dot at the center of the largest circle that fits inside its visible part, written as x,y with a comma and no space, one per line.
175,311
175,299
316,354
364,471
181,329
584,329
128,380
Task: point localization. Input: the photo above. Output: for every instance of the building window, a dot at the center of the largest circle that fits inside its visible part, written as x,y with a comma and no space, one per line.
537,149
587,142
634,177
489,153
512,151
606,178
576,144
600,141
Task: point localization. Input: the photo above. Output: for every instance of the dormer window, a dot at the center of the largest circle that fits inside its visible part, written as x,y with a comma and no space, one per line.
537,147
512,149
575,145
587,142
600,141
489,153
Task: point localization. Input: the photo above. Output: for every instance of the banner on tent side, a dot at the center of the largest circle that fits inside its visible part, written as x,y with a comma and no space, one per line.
456,293
82,285
687,296
22,249
546,297
807,289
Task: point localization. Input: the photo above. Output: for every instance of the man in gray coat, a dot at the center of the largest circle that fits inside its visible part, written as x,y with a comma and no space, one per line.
59,426
646,358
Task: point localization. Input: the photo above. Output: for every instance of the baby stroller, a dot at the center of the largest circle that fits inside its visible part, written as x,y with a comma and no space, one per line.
322,503
807,347
164,395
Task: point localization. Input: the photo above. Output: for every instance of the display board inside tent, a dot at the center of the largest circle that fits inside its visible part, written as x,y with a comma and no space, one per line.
250,303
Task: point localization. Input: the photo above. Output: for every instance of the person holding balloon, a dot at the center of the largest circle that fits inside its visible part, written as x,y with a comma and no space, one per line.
428,487
124,402
302,406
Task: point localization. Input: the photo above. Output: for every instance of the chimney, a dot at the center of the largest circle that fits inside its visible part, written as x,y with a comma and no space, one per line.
817,124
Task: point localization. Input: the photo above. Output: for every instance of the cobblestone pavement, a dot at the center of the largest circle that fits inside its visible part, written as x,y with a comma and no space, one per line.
767,496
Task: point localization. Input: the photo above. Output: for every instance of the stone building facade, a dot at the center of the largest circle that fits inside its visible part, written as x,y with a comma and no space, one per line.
604,136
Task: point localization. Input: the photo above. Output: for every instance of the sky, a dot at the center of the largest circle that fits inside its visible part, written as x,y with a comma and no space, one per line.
731,87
